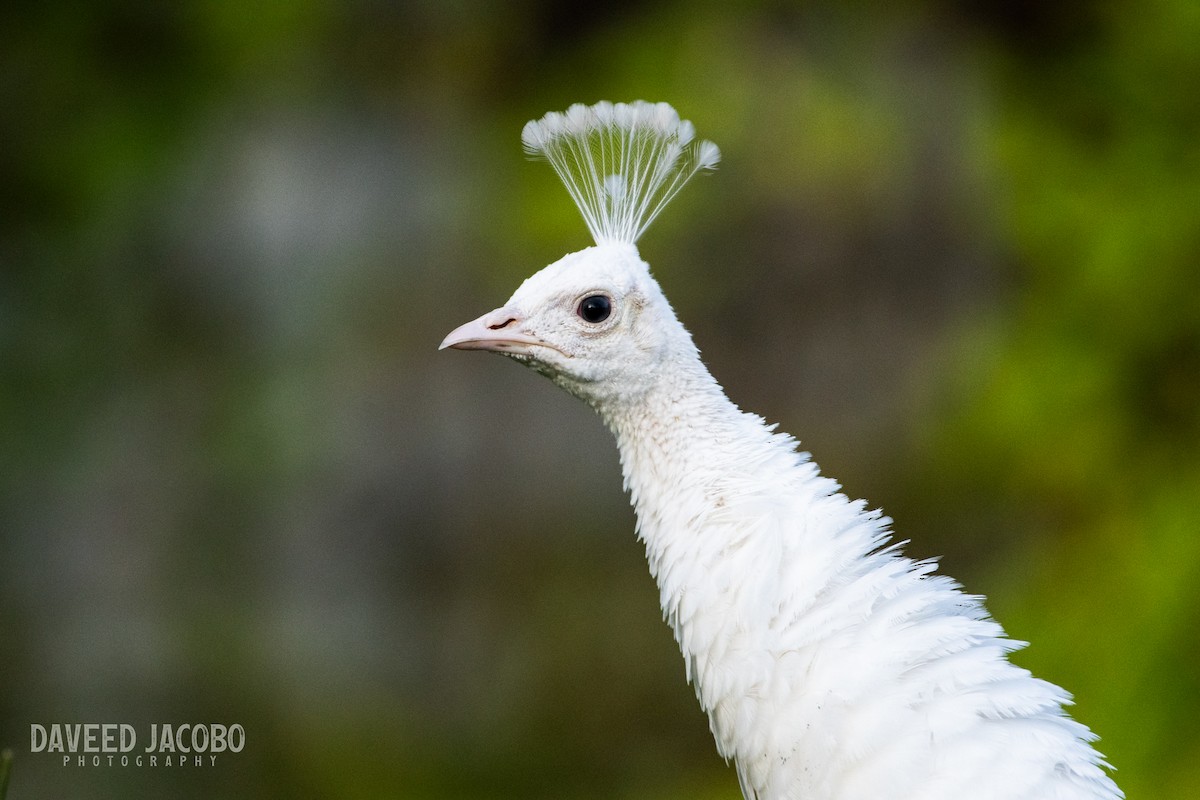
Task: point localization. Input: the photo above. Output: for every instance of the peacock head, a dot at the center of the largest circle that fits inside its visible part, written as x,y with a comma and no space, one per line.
591,321
596,320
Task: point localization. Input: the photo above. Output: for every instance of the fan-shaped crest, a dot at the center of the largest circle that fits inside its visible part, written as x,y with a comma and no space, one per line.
622,162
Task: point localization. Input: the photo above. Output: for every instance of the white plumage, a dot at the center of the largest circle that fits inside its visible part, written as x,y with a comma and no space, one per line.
830,665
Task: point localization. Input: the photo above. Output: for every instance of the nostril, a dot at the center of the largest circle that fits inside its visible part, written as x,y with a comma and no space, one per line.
502,325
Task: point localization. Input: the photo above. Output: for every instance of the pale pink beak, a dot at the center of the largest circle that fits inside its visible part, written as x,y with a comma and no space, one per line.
499,331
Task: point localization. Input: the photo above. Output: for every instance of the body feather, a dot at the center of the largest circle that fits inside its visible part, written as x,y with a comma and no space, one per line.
831,666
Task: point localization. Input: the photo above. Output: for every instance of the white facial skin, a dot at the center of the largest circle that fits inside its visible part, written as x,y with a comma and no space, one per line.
543,325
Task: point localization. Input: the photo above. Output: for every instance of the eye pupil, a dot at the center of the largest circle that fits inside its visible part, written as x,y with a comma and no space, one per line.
595,308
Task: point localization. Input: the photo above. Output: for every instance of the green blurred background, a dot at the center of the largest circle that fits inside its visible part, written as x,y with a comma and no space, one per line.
952,246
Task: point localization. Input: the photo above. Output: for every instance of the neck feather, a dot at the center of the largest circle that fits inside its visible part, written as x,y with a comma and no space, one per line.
795,619
718,493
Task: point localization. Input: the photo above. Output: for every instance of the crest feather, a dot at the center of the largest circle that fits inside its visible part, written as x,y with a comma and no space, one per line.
622,163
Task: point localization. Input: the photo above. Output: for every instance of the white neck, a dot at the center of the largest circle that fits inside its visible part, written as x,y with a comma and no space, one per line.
710,484
810,643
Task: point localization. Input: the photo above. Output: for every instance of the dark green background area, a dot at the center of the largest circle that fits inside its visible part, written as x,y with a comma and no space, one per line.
953,247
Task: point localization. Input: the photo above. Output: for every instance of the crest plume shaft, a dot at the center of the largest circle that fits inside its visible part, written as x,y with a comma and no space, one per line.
621,162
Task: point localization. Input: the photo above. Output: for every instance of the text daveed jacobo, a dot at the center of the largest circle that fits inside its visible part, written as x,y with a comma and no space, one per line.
120,738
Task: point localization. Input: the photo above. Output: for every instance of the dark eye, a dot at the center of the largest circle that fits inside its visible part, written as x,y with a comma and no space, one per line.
595,308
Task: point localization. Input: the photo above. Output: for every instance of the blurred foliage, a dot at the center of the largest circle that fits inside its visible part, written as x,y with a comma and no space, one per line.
1079,422
5,771
237,484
